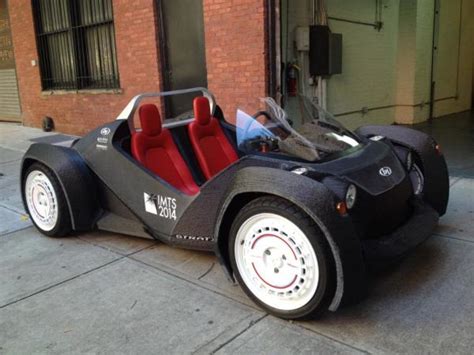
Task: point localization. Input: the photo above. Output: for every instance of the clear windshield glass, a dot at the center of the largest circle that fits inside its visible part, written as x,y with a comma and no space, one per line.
304,131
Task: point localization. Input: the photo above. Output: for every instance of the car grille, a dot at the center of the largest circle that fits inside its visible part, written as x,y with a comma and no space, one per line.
375,216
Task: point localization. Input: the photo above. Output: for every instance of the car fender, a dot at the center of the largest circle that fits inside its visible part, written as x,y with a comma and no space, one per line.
320,204
436,189
75,178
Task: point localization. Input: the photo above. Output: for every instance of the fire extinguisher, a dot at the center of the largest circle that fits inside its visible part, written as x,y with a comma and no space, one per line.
292,79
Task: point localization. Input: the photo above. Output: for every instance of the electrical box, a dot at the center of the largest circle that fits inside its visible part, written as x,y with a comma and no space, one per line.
302,39
325,51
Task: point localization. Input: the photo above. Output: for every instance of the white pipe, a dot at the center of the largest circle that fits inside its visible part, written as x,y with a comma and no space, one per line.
302,72
324,98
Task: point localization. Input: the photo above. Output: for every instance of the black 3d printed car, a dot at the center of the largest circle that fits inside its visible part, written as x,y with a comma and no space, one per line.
295,206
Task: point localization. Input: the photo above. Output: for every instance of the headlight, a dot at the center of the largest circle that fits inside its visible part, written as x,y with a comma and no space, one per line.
351,196
409,161
300,171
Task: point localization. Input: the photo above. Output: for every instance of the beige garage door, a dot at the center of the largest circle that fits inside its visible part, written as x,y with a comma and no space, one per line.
9,100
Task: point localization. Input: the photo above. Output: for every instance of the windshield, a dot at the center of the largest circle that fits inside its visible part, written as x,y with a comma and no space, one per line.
304,130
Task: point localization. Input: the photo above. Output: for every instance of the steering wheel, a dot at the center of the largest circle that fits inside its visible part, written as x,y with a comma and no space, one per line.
262,113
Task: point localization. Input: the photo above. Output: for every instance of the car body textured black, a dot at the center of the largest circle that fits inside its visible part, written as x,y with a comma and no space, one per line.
105,186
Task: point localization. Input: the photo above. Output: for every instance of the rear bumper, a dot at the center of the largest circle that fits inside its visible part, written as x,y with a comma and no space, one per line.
416,230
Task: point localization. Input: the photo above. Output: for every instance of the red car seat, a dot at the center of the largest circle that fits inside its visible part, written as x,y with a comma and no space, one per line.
155,149
211,146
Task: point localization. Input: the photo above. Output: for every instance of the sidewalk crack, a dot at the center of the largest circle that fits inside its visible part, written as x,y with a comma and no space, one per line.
207,272
453,238
85,240
235,336
61,283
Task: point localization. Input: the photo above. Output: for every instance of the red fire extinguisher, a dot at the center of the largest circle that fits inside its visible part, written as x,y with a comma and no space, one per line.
292,79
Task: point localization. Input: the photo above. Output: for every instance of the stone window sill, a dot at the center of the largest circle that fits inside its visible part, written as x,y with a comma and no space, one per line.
81,92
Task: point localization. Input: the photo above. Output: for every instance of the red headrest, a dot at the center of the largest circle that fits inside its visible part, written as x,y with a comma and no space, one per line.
150,119
202,111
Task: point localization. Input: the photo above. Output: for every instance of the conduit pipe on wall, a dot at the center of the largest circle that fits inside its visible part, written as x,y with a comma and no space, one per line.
320,17
433,59
377,24
366,110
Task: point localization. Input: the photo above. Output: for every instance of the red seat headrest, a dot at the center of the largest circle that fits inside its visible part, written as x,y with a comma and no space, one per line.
150,119
202,111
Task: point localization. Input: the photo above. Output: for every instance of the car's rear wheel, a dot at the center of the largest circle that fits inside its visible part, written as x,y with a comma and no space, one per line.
45,201
281,259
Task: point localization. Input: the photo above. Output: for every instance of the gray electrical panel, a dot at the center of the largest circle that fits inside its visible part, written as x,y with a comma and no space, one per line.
335,53
325,51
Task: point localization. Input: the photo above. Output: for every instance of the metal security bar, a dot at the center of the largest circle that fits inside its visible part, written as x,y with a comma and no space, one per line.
76,44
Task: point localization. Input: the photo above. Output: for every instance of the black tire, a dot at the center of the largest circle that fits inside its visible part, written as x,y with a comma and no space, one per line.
62,226
327,279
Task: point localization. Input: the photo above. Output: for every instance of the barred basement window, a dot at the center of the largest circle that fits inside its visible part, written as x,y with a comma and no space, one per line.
76,44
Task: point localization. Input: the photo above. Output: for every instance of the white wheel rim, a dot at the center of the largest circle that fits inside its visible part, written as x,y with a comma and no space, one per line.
276,261
41,200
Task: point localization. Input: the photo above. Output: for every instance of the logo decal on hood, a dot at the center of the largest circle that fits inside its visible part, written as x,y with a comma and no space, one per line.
385,171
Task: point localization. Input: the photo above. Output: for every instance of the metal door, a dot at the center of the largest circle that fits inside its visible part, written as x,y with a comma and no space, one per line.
183,51
447,49
9,100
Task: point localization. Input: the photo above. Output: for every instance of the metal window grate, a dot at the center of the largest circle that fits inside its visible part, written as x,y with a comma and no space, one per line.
76,44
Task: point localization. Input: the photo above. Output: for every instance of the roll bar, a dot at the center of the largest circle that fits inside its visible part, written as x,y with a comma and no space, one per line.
129,110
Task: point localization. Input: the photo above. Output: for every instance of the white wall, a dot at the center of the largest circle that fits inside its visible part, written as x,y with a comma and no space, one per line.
369,57
414,58
453,72
366,54
393,67
452,59
299,14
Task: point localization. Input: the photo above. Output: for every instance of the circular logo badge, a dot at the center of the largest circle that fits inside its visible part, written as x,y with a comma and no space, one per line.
105,131
385,171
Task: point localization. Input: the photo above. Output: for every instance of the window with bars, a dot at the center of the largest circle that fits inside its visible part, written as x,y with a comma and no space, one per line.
76,44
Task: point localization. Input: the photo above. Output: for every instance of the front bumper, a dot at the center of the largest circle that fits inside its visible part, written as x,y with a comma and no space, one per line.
416,230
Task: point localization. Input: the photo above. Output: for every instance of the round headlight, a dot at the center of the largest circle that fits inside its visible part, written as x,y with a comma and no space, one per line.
409,161
351,196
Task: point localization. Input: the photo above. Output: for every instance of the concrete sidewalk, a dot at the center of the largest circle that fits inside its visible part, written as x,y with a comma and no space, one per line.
108,293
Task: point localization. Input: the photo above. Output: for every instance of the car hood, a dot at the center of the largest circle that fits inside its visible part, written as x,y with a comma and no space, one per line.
374,168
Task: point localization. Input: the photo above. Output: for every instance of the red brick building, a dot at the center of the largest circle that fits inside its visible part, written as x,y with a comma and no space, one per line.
81,62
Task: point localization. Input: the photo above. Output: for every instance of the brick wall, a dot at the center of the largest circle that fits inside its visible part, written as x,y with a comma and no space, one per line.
138,62
235,53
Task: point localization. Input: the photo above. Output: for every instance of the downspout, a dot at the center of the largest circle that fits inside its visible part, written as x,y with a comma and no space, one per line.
433,59
271,47
319,6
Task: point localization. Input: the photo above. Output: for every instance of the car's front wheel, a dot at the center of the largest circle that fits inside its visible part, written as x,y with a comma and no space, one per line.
281,259
45,201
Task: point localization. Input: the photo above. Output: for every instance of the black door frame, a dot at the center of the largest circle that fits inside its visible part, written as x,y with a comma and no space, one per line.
168,80
271,29
163,66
